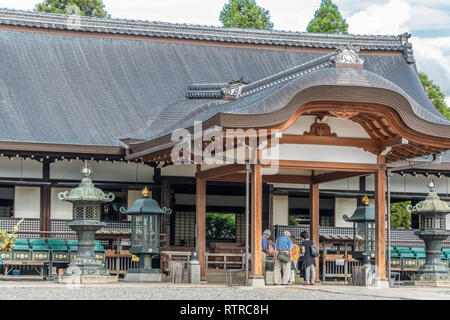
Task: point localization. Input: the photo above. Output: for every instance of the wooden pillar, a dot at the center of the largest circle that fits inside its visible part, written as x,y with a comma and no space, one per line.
380,219
165,202
45,197
314,219
200,206
271,207
256,221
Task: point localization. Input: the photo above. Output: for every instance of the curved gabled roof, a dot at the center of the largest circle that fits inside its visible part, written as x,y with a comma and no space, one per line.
77,89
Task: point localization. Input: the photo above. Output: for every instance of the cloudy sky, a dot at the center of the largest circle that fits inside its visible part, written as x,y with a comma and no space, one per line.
427,20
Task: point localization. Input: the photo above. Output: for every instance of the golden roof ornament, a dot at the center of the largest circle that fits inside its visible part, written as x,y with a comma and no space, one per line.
145,192
365,200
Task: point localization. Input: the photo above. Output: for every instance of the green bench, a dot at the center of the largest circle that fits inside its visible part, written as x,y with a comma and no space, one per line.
21,251
39,250
59,251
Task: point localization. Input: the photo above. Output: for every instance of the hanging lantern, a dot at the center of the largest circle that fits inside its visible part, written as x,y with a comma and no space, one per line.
145,237
363,232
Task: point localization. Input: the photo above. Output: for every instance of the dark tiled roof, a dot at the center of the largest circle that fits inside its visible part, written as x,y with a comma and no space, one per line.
209,33
95,91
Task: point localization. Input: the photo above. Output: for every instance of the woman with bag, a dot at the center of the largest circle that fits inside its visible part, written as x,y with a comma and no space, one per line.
310,252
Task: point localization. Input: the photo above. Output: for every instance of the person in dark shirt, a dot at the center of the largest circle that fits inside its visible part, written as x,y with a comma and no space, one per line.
309,262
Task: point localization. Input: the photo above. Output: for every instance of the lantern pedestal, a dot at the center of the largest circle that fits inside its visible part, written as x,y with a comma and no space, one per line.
432,223
433,271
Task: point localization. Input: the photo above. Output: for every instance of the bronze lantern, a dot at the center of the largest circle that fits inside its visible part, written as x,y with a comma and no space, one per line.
363,232
145,237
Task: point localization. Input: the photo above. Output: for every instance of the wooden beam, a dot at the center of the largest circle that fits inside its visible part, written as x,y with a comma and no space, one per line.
327,166
210,174
371,145
380,220
333,176
256,221
200,208
314,219
279,178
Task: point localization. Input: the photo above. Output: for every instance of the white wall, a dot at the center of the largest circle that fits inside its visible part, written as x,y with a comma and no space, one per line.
27,202
342,127
344,206
60,209
185,170
281,210
321,153
104,171
16,168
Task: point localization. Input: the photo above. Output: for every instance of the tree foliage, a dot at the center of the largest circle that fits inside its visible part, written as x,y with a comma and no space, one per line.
220,226
245,14
90,8
435,94
400,217
328,19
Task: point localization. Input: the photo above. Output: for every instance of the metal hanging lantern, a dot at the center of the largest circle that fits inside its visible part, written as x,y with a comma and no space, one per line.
432,224
87,201
363,232
145,237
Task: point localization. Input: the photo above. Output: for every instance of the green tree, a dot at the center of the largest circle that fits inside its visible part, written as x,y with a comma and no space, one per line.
245,14
328,19
435,94
220,226
400,217
90,8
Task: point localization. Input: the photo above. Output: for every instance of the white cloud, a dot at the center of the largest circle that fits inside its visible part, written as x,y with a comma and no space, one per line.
389,18
447,100
425,18
433,58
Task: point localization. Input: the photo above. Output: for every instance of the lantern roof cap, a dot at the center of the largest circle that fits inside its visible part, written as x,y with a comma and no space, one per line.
146,205
86,190
432,203
364,213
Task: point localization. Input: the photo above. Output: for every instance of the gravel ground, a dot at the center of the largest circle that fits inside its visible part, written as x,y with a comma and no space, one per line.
123,291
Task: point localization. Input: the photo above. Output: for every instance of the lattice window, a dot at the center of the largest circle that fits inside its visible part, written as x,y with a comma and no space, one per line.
78,213
89,213
185,229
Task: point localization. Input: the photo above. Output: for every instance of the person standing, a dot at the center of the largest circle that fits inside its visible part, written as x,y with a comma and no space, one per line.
295,257
265,248
283,257
309,262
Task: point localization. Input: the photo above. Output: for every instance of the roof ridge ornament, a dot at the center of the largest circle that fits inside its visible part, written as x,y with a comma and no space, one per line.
234,89
347,56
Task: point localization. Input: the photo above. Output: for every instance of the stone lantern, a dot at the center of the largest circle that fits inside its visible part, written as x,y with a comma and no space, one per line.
363,243
145,237
432,225
87,201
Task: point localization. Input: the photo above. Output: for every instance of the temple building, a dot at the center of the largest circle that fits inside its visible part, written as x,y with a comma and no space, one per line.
328,115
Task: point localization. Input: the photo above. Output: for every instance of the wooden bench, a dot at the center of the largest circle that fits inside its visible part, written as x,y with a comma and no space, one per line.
38,266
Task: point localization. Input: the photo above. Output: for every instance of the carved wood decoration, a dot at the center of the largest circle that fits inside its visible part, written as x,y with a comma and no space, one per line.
344,114
319,129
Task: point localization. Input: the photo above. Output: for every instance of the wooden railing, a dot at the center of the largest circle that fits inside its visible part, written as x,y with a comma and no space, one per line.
119,263
337,266
217,260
